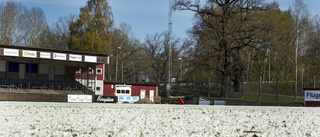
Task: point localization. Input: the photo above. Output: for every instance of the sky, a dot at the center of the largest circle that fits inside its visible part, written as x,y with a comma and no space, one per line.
144,16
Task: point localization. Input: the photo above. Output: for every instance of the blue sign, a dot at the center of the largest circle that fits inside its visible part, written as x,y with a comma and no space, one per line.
173,79
135,98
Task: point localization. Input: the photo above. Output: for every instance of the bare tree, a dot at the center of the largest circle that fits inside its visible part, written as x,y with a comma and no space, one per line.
301,14
156,50
9,16
226,27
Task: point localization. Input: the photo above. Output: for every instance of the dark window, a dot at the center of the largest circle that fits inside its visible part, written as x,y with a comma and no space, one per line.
98,88
99,71
123,91
118,91
13,67
33,68
127,91
90,70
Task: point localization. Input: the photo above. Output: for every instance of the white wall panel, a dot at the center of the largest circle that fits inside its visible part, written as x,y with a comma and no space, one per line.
60,70
99,84
3,66
43,69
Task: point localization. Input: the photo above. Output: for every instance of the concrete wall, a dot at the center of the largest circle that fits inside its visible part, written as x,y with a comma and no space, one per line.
33,97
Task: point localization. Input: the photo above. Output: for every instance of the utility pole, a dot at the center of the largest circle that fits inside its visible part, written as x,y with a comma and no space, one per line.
122,72
116,79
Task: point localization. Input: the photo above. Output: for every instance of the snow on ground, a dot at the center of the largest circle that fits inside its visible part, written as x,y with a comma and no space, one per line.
97,119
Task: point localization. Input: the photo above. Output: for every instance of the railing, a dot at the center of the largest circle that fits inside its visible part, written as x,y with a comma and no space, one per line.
42,86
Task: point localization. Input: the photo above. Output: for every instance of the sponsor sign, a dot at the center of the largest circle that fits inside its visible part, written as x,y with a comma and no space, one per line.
73,57
173,79
128,99
203,101
59,56
312,95
92,59
28,53
11,52
106,99
45,55
79,98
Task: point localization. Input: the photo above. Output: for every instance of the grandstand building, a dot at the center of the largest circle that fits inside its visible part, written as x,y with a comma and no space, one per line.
26,69
37,74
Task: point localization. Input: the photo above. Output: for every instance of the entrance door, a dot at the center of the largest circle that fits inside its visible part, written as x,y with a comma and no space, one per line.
151,95
142,94
51,72
22,71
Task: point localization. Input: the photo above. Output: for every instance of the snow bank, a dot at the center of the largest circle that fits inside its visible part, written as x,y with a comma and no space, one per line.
96,119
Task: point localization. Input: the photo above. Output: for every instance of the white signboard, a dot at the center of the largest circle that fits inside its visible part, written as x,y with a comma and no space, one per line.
75,57
79,98
128,99
59,56
11,52
312,95
92,59
45,55
28,53
203,101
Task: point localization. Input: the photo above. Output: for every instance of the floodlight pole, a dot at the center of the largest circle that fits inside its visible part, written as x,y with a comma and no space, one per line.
170,45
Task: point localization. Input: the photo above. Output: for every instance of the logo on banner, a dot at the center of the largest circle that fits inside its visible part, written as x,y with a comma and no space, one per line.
46,55
75,57
32,54
11,52
92,59
79,98
129,99
59,56
312,96
106,99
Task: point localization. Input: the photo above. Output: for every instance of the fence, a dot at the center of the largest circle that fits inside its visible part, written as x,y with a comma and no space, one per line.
42,86
213,89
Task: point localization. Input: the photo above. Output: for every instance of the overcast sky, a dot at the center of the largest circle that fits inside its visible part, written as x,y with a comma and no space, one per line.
144,16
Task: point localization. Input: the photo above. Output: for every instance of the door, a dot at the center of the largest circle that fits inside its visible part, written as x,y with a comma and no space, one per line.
151,95
142,94
22,71
51,72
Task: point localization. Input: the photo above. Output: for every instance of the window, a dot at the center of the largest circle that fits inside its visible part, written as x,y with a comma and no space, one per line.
123,92
78,71
90,70
98,88
99,71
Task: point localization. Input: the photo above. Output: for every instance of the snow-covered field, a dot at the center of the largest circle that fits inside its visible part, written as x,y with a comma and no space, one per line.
97,119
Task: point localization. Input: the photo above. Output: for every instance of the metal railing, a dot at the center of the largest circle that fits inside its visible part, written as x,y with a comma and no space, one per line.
42,86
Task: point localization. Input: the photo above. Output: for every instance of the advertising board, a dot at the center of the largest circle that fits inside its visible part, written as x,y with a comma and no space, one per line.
311,95
46,55
29,54
80,98
105,99
128,99
59,56
11,52
92,59
73,57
